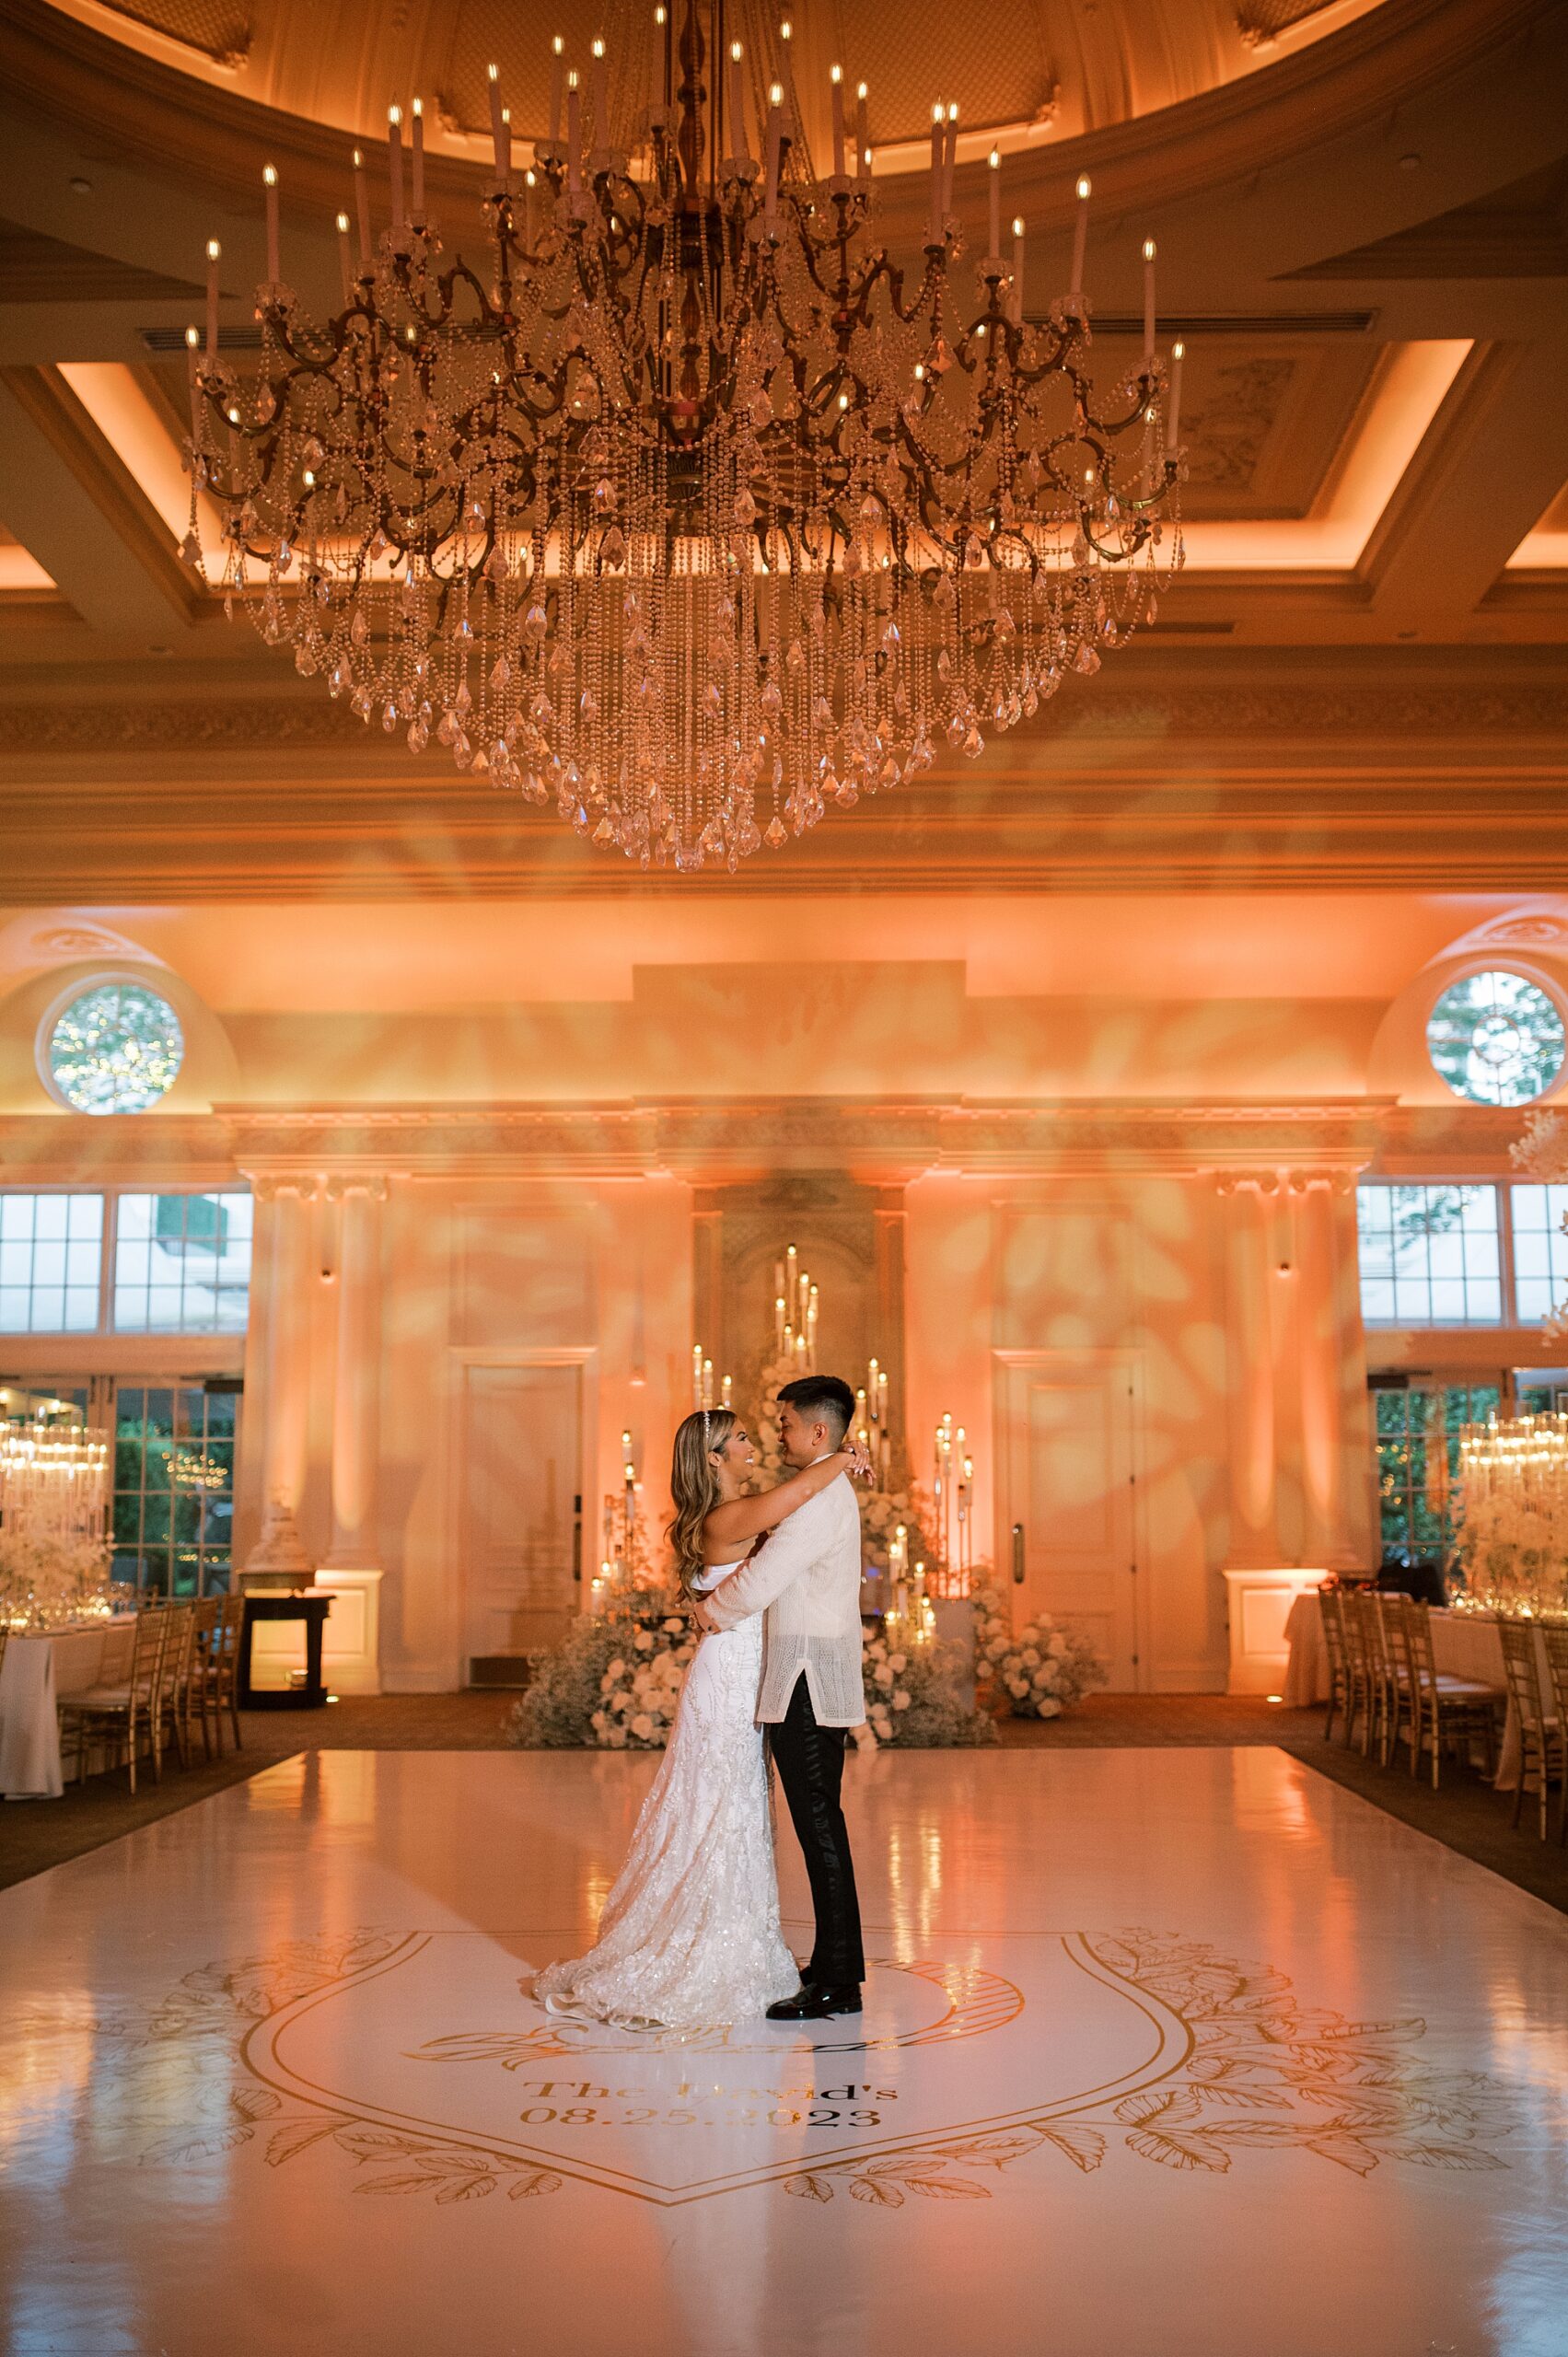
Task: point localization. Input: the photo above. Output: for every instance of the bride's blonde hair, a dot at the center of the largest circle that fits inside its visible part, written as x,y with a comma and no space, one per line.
694,1486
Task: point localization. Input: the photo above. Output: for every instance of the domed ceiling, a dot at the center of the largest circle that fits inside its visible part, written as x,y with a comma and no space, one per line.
1026,66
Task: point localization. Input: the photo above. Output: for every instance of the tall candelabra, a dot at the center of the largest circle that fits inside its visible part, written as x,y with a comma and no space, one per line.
54,1492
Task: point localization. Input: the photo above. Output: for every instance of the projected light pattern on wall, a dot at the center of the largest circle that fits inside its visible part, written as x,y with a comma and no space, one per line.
116,1049
1496,1038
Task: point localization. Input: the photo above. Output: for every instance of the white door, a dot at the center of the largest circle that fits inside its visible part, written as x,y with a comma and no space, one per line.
1071,1486
521,1459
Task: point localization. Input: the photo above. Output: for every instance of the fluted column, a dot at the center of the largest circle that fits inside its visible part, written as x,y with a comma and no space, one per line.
1248,1199
1333,1436
356,1382
287,1264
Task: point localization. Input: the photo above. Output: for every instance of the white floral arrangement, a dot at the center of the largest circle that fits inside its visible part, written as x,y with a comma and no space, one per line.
1042,1669
44,1581
641,1686
914,1697
1515,1555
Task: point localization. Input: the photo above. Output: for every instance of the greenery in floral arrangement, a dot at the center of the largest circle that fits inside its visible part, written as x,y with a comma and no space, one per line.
912,1698
1040,1671
49,1580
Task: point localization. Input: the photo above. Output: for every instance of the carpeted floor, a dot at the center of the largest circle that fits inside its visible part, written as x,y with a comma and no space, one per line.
1466,1814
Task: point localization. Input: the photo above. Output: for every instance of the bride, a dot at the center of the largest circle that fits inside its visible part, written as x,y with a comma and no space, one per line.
690,1939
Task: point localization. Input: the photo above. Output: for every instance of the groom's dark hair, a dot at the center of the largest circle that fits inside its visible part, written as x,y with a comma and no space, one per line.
825,1399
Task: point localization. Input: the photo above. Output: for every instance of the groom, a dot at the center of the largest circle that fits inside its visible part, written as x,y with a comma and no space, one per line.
807,1578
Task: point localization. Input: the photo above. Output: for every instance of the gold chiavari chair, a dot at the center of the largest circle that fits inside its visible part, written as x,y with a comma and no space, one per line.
1446,1712
174,1681
1358,1665
201,1690
4,1641
1555,1641
1396,1700
225,1666
1541,1736
131,1708
1331,1604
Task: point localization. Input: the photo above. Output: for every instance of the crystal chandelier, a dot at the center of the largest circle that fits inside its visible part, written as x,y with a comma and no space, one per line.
687,511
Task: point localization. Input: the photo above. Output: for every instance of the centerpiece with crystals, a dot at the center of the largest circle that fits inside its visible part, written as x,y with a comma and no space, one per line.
686,509
54,1552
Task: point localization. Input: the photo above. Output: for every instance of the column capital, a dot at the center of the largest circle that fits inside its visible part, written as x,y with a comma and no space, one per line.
338,1186
268,1186
1239,1182
1333,1181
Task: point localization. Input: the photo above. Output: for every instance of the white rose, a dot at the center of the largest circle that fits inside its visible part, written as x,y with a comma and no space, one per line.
599,1723
1031,1658
883,1675
1057,1646
642,1727
606,1684
674,1625
1050,1708
615,1737
1017,1688
898,1662
615,1669
644,1642
901,1700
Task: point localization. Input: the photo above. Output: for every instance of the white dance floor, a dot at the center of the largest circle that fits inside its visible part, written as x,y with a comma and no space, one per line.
1180,2053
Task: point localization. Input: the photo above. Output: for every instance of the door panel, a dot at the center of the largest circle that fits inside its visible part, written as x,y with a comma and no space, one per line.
522,1452
1069,1426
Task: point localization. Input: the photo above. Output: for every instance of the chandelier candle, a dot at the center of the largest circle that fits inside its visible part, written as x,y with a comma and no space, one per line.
1080,242
1148,305
499,140
862,132
269,183
418,166
214,251
994,250
686,508
557,71
362,206
395,163
738,143
836,76
1173,415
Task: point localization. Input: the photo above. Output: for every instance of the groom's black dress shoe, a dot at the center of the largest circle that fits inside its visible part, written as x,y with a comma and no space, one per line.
814,2000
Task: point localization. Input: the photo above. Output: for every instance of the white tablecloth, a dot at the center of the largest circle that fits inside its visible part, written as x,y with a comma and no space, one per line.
1463,1646
36,1673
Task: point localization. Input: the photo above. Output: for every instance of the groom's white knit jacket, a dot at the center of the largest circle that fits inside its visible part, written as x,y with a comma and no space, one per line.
807,1578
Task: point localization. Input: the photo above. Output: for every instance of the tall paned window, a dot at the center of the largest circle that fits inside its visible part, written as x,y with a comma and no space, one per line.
1430,1256
124,1263
51,1263
1417,1440
174,1448
1540,1249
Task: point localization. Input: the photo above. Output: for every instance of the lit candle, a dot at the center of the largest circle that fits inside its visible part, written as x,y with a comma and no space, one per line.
192,345
499,140
557,51
530,183
601,102
836,76
862,134
1018,271
362,206
934,228
419,162
214,251
269,182
574,134
779,1319
770,198
395,160
345,259
1080,240
993,250
696,1374
949,158
725,1389
1149,305
1173,415
738,145
655,68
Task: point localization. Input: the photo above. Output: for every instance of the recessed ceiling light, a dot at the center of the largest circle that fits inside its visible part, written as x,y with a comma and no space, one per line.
79,186
1410,163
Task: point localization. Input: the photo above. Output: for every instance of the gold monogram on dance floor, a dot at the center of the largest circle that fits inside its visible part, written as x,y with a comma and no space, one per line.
410,2058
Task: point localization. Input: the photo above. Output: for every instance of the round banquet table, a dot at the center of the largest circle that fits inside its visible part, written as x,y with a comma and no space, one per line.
43,1668
1464,1645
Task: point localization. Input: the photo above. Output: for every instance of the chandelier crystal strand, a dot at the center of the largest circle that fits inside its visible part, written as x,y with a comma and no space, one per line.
691,513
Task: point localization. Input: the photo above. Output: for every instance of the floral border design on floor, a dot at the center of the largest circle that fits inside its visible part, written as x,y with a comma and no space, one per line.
1265,2073
211,2014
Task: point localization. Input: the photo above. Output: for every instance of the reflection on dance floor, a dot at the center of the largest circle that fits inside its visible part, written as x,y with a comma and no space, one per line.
1147,2035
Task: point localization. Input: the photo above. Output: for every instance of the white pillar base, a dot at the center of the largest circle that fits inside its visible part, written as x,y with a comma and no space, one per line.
351,1654
1260,1605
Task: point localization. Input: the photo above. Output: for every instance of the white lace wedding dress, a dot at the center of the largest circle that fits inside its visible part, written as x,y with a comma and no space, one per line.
690,1938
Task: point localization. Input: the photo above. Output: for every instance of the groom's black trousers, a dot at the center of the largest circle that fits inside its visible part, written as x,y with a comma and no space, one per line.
810,1761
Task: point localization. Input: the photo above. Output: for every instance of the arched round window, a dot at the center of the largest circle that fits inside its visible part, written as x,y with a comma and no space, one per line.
114,1049
1496,1040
